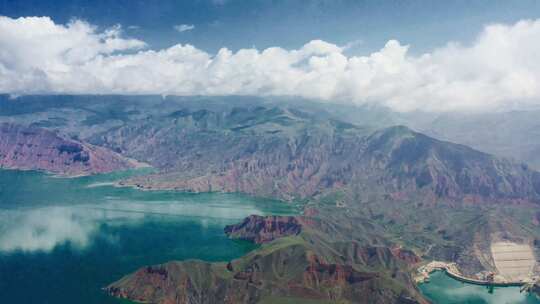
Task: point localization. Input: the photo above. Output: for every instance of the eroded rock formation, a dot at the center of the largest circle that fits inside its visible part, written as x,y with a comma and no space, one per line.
34,148
264,229
292,263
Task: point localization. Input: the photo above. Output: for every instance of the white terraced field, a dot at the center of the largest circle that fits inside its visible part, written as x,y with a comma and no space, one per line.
513,261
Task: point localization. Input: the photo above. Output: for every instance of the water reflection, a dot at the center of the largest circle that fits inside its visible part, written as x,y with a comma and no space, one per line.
42,229
39,212
83,233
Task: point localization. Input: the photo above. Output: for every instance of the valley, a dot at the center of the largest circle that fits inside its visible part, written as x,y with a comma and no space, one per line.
375,202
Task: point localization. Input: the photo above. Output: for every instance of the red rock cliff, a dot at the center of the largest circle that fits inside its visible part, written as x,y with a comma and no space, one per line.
33,148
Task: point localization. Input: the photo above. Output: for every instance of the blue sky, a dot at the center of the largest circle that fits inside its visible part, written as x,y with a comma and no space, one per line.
286,23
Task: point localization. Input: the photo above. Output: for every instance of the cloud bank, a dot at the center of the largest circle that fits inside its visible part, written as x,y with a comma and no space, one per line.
500,69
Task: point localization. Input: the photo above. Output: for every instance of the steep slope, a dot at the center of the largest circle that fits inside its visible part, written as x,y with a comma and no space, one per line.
406,187
292,155
506,133
39,149
513,134
214,151
376,189
415,162
304,266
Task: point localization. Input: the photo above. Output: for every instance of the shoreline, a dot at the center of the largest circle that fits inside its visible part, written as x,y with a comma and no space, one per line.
450,269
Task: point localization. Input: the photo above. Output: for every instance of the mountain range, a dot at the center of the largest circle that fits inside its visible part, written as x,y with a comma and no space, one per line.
377,198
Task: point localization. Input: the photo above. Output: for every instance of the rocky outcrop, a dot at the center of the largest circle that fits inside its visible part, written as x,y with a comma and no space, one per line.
285,270
191,282
295,264
264,229
320,272
406,255
34,148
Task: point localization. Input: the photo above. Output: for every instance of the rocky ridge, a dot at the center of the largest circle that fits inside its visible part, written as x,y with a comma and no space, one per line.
394,185
32,148
283,154
294,262
260,229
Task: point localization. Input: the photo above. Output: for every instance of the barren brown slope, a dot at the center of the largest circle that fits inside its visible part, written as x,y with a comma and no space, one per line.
290,155
34,148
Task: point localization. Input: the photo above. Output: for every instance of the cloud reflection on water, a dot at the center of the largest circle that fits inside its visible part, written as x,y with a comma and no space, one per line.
44,228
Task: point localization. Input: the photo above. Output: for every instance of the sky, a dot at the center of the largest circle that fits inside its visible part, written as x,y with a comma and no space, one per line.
408,55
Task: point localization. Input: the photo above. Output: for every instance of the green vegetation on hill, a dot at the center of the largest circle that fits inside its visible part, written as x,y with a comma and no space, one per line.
371,188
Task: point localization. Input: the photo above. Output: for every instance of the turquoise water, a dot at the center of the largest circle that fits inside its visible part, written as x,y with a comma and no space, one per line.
62,239
442,289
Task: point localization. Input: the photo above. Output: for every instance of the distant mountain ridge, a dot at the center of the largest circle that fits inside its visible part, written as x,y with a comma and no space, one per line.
511,134
292,155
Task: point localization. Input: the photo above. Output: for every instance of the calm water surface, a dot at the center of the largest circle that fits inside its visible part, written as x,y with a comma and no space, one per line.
62,239
442,289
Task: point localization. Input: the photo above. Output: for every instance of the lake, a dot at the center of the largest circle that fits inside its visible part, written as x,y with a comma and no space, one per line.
443,289
63,239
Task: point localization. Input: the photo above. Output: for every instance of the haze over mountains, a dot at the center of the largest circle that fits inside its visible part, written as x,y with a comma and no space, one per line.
507,133
511,134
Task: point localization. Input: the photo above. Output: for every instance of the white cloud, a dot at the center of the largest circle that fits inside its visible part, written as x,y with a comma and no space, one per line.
44,228
184,27
499,69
